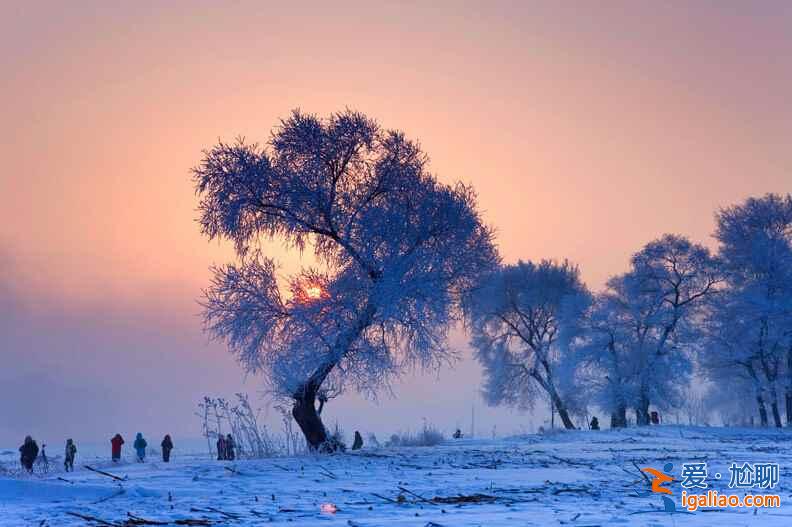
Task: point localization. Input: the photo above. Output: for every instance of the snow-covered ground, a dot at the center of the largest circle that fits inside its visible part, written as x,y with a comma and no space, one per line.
574,479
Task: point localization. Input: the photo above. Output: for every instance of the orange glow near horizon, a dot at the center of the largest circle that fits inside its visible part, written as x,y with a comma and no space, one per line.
580,143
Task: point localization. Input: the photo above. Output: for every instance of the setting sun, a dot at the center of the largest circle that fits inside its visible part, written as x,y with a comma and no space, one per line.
314,292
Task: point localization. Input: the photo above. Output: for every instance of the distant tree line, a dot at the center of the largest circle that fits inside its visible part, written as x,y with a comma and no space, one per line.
678,316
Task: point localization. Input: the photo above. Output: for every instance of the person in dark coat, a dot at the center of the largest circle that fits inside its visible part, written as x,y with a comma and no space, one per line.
358,444
655,418
230,446
140,445
221,448
116,443
594,423
28,453
68,459
167,446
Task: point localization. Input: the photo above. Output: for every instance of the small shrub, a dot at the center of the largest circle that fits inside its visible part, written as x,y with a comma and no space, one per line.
427,436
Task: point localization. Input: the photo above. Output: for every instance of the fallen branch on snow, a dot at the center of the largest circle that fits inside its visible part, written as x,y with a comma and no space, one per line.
117,493
421,498
103,473
94,519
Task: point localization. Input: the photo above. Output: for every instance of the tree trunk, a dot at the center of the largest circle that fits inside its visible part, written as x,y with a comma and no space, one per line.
304,412
564,415
762,410
788,393
642,411
619,417
776,414
774,408
788,400
555,400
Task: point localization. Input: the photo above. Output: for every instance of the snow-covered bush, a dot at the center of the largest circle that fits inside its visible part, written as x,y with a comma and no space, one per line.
428,435
219,416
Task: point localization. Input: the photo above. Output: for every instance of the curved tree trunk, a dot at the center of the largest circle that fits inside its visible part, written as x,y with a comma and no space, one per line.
561,409
304,410
308,419
555,399
564,415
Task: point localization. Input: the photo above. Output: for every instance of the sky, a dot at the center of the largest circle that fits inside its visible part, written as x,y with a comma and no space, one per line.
587,129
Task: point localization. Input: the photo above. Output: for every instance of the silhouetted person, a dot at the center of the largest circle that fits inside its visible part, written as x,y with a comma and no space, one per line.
230,448
68,458
140,445
221,448
167,446
594,425
457,434
358,443
116,444
655,418
28,453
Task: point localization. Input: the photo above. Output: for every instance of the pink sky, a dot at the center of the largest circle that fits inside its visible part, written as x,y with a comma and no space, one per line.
586,130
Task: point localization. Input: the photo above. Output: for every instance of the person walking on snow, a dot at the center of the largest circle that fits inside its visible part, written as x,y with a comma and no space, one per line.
140,445
71,451
116,443
28,453
167,446
230,446
221,448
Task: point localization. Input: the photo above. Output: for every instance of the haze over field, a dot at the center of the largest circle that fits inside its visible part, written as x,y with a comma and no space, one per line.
586,131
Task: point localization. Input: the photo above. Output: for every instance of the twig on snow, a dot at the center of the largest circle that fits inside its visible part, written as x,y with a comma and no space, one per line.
117,493
416,495
102,472
94,519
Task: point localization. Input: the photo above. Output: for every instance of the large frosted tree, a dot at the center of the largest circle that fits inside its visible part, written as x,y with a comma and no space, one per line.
395,250
641,332
516,318
753,330
602,350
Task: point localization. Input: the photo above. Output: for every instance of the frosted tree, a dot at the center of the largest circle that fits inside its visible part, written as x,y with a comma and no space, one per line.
663,296
395,248
516,318
603,357
641,331
738,351
756,248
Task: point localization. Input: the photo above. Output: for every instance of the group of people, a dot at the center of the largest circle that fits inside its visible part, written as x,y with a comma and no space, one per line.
226,448
140,445
29,451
